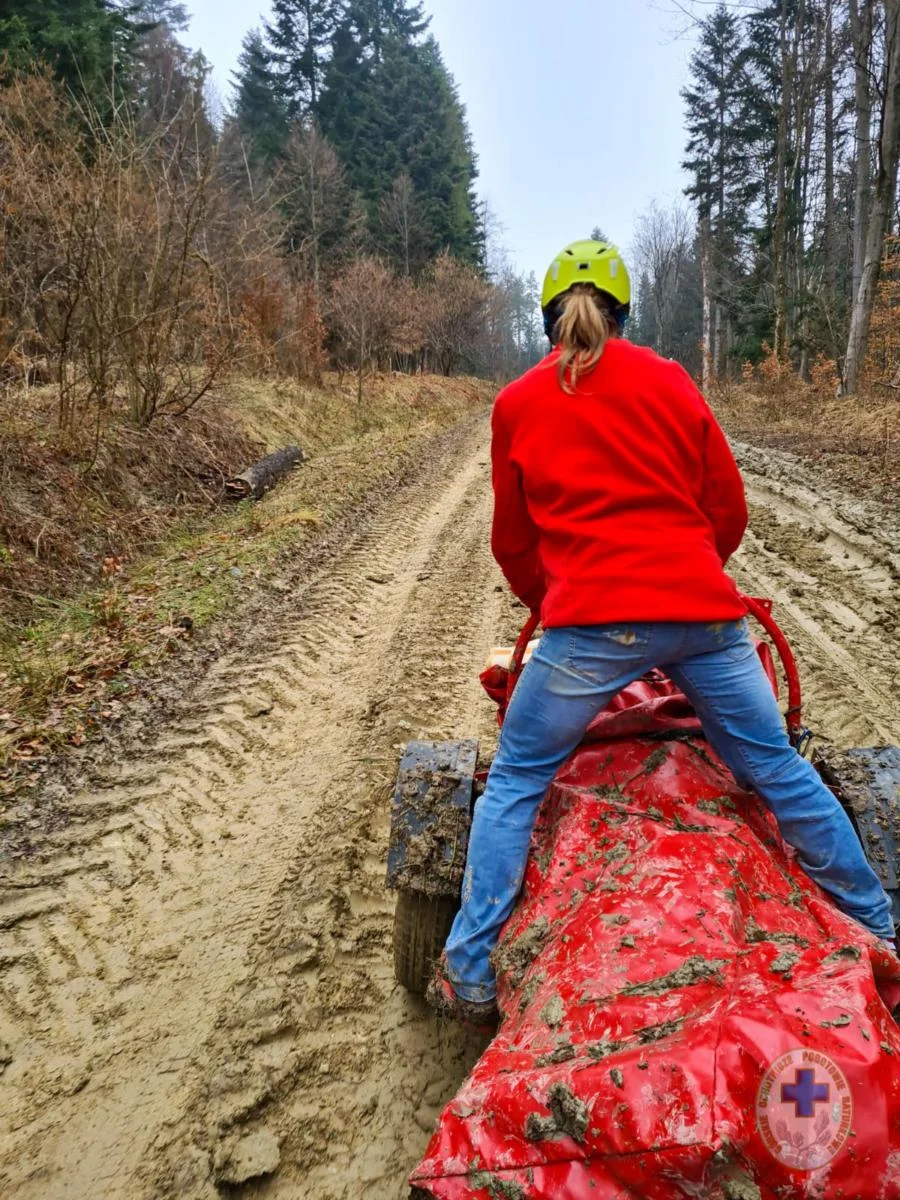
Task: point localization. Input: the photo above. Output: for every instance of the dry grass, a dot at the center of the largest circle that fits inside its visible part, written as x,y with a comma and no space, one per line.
857,440
73,507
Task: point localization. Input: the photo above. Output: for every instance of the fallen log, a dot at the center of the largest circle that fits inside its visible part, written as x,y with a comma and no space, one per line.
262,476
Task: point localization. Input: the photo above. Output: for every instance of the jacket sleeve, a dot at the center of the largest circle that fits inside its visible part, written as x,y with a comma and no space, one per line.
514,537
723,499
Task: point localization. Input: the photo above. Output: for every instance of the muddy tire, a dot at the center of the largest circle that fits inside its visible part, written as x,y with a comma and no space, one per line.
867,782
421,926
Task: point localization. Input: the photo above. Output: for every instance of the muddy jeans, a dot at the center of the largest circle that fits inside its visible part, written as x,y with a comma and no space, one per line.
573,675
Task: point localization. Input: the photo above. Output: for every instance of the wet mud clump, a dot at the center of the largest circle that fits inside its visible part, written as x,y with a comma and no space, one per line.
553,1011
564,1052
515,955
845,954
784,964
755,933
497,1189
432,832
695,970
568,1117
740,1186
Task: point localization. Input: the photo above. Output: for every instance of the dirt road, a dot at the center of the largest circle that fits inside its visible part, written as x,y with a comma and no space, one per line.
203,953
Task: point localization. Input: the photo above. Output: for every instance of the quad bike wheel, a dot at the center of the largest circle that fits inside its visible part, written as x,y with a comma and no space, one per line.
867,782
421,927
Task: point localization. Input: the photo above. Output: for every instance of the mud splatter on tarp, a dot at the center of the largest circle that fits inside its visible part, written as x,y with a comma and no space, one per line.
568,1117
755,933
601,1050
696,970
840,1022
658,1033
784,964
530,990
564,1052
712,807
739,1186
497,1188
515,955
553,1011
845,954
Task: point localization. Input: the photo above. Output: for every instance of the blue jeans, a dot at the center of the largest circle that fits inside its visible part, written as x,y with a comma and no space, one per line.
573,675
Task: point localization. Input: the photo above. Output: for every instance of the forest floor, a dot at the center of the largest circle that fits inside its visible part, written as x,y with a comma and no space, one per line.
194,931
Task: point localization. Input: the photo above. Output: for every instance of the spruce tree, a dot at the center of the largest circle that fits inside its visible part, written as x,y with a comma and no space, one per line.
718,161
260,107
171,13
300,34
344,108
406,118
375,21
88,44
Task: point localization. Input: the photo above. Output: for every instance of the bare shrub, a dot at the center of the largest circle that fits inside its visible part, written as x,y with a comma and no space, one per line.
364,307
124,249
454,303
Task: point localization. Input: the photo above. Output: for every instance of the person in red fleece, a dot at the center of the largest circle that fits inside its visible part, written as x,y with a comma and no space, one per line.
618,504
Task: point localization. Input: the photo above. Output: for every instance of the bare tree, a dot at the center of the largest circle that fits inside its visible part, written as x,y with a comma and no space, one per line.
116,244
662,250
362,307
316,199
883,197
454,303
863,46
400,219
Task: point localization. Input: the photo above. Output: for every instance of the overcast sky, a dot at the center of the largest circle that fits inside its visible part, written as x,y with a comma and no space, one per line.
573,105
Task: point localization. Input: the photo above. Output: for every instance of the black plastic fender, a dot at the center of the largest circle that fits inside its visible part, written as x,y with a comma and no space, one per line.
867,782
431,816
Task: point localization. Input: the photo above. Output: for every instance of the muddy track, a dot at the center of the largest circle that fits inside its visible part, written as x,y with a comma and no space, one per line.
832,566
204,952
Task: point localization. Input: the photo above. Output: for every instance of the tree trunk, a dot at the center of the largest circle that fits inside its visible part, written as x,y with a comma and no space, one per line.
882,205
830,270
861,31
361,364
260,478
779,233
706,269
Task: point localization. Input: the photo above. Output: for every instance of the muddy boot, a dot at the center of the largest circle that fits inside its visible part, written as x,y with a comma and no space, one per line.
482,1015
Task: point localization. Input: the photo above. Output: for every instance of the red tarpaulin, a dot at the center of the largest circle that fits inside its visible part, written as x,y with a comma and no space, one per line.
686,1015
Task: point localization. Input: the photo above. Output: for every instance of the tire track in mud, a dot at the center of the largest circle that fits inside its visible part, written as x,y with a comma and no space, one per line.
363,1069
121,938
832,566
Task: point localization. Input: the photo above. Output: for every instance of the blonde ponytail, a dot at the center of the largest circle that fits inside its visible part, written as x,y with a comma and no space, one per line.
584,327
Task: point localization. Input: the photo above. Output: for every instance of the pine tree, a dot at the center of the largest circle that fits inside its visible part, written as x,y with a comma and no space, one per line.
407,118
87,43
171,13
344,106
260,107
717,158
375,21
300,35
169,82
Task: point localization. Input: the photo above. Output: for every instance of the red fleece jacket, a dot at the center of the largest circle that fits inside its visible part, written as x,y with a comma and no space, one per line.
620,503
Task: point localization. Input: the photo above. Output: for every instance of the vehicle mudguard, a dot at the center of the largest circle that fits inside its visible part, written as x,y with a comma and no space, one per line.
431,816
867,782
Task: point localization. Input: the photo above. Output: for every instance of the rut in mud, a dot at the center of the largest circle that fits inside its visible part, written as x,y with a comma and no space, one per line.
197,977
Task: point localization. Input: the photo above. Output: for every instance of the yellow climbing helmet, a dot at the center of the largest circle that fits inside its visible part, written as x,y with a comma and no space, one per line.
598,263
